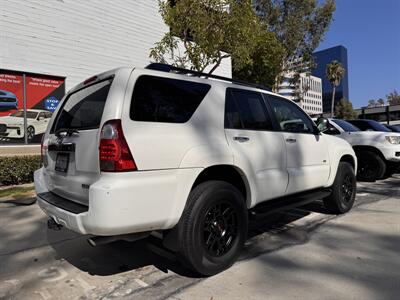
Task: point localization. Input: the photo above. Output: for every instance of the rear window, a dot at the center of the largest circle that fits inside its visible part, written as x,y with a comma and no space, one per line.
157,99
245,110
83,109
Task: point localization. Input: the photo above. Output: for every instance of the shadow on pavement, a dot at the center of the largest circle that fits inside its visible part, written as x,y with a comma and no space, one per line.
264,236
122,256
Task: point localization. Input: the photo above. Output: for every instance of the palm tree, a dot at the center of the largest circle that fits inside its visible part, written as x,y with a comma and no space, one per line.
334,73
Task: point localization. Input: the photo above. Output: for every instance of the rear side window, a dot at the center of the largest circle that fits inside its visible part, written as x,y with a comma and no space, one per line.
157,99
84,108
246,110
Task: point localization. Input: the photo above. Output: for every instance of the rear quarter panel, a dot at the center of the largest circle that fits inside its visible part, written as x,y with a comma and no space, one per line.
198,143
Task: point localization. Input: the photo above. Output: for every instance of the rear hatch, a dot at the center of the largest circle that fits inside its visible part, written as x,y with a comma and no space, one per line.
72,156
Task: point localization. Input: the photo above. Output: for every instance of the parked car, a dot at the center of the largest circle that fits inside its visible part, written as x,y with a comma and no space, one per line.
369,125
378,153
8,101
12,126
187,157
394,128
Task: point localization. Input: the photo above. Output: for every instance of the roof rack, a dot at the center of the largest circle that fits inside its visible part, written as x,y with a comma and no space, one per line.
177,70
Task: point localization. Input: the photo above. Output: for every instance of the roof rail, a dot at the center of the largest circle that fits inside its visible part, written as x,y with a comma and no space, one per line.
177,70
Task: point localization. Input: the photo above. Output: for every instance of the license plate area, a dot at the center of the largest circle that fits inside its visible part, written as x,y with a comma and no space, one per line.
62,162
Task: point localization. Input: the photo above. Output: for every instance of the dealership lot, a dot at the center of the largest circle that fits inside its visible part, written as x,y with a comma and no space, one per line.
302,254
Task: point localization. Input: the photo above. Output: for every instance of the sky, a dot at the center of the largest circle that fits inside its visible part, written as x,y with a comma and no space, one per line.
370,30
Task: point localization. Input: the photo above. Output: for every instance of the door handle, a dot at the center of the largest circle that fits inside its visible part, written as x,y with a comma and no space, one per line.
291,140
241,139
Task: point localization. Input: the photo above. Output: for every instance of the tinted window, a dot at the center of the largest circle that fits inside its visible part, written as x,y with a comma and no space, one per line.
232,118
157,99
245,110
290,117
346,126
84,108
369,125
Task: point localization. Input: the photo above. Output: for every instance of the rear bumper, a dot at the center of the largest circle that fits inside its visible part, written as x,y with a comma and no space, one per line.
122,203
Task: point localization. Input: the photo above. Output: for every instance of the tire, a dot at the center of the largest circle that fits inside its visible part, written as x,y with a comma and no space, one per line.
343,190
371,166
213,227
31,133
391,169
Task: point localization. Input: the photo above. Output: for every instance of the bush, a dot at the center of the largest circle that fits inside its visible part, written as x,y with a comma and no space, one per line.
18,169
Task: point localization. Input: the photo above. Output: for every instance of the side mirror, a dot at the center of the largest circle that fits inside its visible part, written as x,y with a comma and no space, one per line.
322,124
41,118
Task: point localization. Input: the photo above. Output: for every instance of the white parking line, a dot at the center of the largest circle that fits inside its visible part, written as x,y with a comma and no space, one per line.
141,282
362,194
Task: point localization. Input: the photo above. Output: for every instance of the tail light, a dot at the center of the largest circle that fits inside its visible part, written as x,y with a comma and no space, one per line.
114,152
43,150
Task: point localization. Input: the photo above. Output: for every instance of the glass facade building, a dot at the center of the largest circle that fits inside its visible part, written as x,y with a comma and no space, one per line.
322,59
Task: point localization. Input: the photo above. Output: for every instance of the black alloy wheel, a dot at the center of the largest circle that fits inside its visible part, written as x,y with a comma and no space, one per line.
344,190
371,166
30,133
347,188
220,228
213,227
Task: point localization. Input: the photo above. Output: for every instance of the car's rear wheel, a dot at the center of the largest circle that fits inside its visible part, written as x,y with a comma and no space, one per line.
30,133
213,227
343,190
371,166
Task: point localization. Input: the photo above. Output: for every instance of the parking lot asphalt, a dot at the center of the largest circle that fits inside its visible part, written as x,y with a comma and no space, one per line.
301,254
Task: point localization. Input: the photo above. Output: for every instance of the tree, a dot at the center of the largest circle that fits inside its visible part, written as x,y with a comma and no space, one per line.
380,101
393,98
344,110
299,25
264,63
371,103
334,73
204,28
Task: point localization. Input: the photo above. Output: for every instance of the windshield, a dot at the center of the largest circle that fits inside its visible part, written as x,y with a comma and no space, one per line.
378,126
20,114
346,126
369,125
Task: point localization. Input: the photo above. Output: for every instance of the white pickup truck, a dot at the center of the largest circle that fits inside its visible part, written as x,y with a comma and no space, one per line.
378,152
185,156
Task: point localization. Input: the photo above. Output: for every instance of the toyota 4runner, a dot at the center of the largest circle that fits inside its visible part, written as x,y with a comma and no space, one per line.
185,156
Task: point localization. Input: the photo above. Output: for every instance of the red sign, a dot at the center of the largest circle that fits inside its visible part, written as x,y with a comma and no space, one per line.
39,88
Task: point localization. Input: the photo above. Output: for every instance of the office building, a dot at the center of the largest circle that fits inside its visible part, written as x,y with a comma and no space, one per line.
322,59
306,92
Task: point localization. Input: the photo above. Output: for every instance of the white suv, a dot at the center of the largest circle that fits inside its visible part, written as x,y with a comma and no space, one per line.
185,156
378,152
